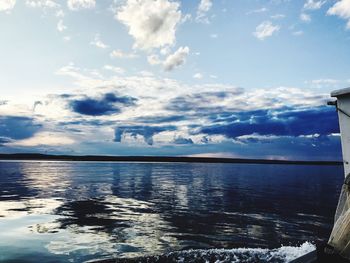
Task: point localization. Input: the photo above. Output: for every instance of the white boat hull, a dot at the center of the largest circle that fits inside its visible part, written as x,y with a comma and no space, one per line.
343,105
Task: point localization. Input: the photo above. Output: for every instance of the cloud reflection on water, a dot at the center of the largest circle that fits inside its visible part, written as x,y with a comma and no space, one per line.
81,211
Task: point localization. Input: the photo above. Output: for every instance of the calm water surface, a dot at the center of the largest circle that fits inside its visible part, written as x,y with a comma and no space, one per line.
76,211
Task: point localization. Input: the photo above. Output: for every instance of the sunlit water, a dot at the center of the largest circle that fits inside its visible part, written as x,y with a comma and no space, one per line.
76,211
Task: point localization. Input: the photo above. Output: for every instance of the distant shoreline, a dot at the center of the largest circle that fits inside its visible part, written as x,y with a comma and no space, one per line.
173,159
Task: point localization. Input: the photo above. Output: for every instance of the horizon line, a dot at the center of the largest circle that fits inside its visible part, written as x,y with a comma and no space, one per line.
150,158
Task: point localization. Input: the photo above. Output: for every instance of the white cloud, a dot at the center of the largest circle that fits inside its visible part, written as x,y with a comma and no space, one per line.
7,5
185,18
172,61
66,38
42,3
214,36
305,17
203,8
341,9
261,10
154,59
60,26
313,5
60,13
198,76
117,70
81,4
98,42
205,5
45,139
278,16
265,29
165,50
120,54
324,82
298,33
146,73
177,59
151,23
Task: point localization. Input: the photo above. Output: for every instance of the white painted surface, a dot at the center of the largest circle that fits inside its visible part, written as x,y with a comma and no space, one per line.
343,97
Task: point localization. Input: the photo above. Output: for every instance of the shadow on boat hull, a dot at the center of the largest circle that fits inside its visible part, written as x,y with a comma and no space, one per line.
319,256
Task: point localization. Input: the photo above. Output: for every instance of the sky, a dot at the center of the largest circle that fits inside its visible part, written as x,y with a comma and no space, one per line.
221,78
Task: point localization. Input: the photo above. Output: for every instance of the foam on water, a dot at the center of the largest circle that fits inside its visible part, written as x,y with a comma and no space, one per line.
283,254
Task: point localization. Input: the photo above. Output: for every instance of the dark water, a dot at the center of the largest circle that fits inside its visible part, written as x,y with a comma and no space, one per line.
75,211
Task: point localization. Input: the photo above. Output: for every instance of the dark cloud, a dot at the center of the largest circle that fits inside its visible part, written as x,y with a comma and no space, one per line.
4,140
147,132
36,104
107,105
201,102
282,122
205,139
17,128
161,119
82,122
65,96
182,140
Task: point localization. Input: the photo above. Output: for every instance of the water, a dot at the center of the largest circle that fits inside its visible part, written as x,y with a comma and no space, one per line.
76,211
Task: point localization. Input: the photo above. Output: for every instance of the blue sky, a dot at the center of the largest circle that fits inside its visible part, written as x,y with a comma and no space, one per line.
245,78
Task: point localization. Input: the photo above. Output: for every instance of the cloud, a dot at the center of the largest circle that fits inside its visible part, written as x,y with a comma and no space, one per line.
169,102
324,81
160,119
305,17
151,23
147,132
313,5
281,122
44,139
114,69
98,42
202,10
261,10
4,140
81,4
120,54
265,29
60,26
204,102
182,140
154,59
172,61
7,5
42,4
176,59
36,104
298,33
66,38
341,9
17,127
59,13
278,16
198,76
107,105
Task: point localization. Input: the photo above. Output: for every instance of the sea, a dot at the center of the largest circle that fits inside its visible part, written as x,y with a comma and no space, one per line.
53,211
